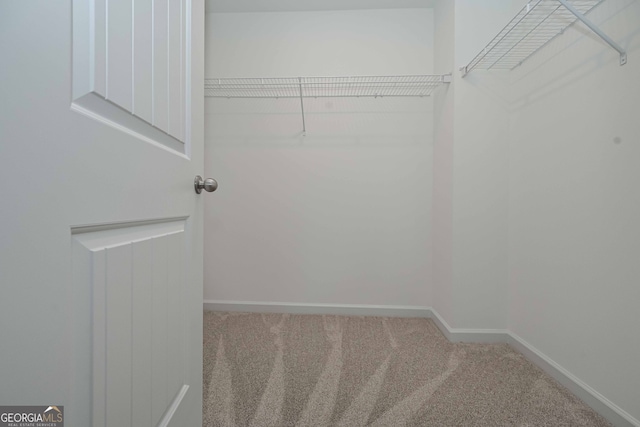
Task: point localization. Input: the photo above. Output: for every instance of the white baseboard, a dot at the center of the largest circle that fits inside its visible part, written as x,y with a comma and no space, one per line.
614,414
609,410
335,309
603,406
484,336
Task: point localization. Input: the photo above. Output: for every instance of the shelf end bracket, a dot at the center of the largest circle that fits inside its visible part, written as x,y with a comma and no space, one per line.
593,27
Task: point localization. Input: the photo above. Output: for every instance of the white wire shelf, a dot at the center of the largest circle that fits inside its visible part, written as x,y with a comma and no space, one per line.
539,22
324,87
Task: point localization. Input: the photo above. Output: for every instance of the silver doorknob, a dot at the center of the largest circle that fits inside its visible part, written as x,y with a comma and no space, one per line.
209,184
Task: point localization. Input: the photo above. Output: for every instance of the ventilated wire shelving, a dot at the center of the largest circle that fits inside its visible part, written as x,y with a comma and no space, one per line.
533,27
324,87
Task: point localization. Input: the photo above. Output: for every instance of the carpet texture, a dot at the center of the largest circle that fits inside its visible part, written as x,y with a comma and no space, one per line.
300,370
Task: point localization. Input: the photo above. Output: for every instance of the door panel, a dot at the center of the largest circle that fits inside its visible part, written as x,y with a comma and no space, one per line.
143,59
160,59
119,52
129,57
95,20
136,276
141,333
175,73
101,230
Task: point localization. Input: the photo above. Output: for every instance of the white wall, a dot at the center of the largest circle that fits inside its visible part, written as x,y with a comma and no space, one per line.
342,215
535,174
442,216
574,207
471,166
544,201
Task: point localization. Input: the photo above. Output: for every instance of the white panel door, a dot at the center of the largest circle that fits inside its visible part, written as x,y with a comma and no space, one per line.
101,136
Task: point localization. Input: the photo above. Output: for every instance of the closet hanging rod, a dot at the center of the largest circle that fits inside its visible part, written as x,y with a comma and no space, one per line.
537,23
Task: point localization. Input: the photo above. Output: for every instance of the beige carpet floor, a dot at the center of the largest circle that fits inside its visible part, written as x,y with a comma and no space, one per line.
300,370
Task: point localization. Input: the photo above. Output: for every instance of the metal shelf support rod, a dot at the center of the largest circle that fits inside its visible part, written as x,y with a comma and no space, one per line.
304,127
595,29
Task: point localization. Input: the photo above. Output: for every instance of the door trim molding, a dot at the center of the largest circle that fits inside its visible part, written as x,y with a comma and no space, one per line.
175,404
91,228
104,111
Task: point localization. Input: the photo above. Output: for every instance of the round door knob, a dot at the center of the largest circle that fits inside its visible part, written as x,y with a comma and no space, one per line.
210,185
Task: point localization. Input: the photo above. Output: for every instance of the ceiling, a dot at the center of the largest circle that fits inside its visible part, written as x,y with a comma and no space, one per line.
310,5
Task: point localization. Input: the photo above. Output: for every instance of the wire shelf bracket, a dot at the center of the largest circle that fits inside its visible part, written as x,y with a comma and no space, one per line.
324,87
532,28
593,27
